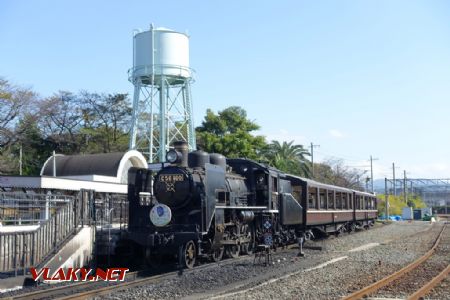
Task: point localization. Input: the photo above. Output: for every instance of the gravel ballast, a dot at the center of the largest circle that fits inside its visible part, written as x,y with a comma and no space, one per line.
354,260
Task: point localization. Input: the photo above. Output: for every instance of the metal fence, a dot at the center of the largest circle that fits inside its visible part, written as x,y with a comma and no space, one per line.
111,209
21,250
29,208
55,218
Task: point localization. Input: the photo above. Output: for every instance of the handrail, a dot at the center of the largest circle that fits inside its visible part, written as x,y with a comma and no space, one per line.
21,250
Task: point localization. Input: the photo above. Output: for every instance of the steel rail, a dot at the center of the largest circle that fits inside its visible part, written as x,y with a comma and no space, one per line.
156,278
61,292
51,291
430,285
123,285
388,279
66,289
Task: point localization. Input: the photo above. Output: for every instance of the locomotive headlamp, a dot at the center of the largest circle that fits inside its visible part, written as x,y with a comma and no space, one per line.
173,156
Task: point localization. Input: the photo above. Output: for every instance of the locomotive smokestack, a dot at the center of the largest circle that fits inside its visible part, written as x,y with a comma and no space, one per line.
182,147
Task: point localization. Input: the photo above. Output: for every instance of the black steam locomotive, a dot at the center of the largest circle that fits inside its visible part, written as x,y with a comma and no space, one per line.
206,205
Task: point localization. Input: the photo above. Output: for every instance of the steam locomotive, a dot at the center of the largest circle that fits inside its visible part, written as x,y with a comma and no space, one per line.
204,205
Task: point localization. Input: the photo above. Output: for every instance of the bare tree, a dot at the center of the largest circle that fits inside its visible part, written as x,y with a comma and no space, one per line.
15,102
61,121
335,172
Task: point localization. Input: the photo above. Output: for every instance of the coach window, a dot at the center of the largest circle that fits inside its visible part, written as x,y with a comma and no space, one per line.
350,201
323,202
330,199
310,200
338,200
312,197
357,204
344,200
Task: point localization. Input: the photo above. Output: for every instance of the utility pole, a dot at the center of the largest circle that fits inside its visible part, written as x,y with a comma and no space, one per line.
371,170
386,198
393,177
20,160
312,158
404,186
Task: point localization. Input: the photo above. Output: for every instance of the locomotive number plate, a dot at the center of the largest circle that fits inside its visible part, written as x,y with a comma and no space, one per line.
169,178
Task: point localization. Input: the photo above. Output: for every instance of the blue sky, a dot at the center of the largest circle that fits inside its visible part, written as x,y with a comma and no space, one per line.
359,78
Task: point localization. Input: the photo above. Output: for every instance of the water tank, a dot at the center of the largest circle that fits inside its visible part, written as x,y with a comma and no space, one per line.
160,51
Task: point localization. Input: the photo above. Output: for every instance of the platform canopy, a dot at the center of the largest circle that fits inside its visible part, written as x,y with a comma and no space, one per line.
104,167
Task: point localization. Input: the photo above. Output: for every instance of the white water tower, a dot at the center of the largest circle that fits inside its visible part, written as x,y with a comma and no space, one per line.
162,105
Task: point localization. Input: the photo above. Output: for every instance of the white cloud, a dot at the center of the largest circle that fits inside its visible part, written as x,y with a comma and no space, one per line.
284,135
413,170
430,170
336,133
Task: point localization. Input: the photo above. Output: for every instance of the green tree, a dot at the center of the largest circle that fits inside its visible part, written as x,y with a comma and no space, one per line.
106,122
289,158
397,203
229,133
35,149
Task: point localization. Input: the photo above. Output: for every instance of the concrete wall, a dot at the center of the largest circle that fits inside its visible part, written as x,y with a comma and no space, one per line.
78,252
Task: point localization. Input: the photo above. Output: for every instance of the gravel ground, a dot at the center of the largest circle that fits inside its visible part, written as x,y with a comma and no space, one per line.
388,249
338,279
440,292
414,280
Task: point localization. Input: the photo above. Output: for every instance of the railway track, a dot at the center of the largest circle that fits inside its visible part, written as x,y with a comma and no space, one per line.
424,271
64,290
88,289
